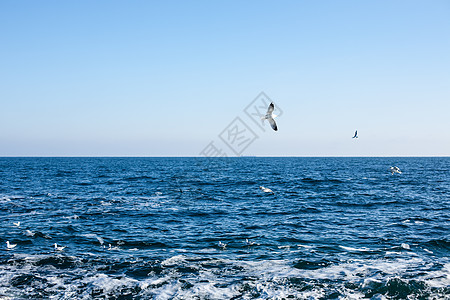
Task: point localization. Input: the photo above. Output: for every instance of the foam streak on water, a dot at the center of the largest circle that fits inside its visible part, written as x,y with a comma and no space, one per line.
149,228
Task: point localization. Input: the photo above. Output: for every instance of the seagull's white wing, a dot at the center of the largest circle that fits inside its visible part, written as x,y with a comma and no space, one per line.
270,109
273,124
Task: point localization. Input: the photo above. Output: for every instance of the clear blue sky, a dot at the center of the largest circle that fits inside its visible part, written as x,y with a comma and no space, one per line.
164,78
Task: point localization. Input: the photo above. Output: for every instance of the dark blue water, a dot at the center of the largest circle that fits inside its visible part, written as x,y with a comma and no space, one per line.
149,228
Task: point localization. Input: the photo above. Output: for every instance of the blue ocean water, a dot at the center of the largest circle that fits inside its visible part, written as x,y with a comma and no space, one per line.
150,228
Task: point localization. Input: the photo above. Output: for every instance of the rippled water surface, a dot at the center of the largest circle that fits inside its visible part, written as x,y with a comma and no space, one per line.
150,228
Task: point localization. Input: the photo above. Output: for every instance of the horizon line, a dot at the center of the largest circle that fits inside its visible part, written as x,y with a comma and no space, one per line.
242,156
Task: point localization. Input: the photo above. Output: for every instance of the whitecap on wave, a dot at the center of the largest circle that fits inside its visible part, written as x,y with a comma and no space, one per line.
184,277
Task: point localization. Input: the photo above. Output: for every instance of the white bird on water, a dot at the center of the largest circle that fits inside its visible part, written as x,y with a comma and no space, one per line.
10,246
59,248
110,247
270,117
356,135
266,190
29,233
395,170
222,245
249,243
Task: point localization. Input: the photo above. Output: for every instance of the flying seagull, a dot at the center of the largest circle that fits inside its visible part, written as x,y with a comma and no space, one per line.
266,190
395,170
10,246
356,135
270,117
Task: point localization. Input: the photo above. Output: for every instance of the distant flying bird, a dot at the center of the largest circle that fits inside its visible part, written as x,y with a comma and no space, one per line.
356,135
266,190
395,170
10,246
58,248
270,117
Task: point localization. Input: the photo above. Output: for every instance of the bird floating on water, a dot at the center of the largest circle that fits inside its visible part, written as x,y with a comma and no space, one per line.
266,190
249,243
270,117
29,233
395,170
222,245
10,246
110,247
356,135
59,248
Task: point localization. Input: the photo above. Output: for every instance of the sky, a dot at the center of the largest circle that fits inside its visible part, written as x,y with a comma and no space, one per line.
169,78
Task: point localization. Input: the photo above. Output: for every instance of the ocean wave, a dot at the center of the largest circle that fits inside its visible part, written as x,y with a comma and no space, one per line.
328,233
181,277
437,245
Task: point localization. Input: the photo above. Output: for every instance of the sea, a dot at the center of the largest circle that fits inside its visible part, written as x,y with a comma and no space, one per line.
201,228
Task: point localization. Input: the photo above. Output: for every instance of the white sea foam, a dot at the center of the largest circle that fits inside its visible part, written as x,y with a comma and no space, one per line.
286,247
175,260
226,278
439,278
108,284
428,251
363,249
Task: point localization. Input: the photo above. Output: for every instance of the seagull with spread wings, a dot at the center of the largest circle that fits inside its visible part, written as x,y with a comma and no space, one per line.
270,117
